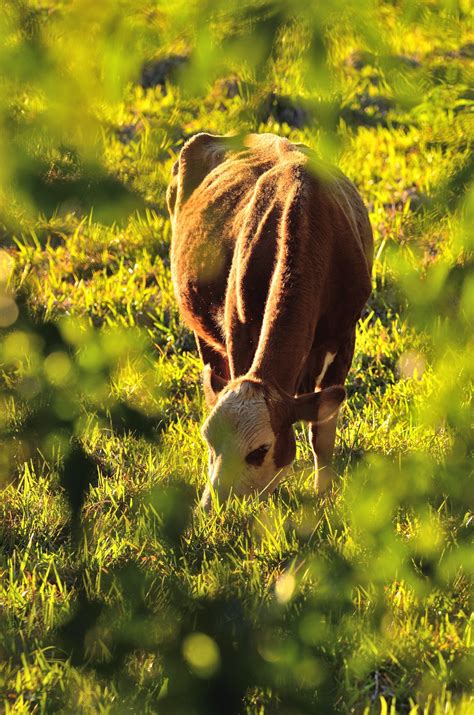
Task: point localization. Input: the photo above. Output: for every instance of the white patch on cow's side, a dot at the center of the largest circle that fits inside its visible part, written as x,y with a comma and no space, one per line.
327,361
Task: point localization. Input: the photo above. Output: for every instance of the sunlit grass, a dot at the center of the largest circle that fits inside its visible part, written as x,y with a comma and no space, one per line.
399,640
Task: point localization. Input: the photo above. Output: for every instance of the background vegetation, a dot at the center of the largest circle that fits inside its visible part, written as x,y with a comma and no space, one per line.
116,595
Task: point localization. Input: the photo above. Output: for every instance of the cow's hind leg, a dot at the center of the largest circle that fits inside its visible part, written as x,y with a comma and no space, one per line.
323,436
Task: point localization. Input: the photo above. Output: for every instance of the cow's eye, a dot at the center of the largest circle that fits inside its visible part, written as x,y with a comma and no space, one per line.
256,457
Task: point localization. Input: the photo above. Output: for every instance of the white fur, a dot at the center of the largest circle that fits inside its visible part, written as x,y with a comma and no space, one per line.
245,413
329,358
238,424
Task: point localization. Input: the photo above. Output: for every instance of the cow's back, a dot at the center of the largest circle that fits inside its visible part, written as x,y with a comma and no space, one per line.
227,234
208,226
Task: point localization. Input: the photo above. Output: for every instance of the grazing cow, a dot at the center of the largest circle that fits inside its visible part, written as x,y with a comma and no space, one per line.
271,258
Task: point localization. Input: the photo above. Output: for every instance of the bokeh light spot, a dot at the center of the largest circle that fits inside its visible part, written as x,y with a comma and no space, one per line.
8,311
411,364
202,654
57,368
285,587
16,346
6,266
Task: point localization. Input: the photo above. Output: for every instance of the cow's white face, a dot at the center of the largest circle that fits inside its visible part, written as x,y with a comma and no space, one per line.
241,443
249,432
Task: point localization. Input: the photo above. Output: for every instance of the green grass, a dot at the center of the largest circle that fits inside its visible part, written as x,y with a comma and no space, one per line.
356,603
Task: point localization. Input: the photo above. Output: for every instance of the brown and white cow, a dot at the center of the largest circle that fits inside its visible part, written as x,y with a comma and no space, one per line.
271,259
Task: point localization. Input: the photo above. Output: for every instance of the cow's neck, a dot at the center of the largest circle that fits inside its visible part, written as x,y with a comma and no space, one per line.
292,306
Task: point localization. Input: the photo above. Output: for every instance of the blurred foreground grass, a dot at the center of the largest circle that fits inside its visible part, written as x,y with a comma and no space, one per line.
115,595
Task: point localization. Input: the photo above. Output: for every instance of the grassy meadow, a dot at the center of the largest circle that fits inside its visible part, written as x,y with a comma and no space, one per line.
118,595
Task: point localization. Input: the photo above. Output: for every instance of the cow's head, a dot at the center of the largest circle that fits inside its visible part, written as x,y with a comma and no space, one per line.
249,432
199,156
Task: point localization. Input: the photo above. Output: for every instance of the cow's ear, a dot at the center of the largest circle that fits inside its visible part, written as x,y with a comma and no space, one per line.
171,193
200,155
212,385
316,407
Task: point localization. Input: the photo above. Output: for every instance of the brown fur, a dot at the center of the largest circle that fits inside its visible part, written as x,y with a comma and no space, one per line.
271,259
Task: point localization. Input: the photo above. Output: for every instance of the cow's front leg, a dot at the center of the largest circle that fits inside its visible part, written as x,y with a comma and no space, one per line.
323,437
323,434
209,356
